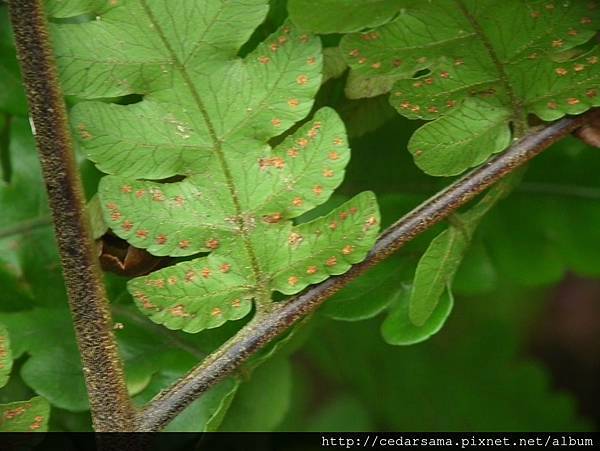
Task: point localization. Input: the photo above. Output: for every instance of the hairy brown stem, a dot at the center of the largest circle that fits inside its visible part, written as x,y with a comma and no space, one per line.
109,401
162,409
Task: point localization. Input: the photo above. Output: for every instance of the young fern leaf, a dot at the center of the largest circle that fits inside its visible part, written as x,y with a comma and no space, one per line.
474,67
204,124
438,265
398,329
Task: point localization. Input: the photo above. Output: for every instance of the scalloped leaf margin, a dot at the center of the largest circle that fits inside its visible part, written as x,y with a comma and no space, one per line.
191,168
473,67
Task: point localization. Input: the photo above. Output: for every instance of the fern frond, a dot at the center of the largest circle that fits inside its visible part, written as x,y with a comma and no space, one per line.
206,118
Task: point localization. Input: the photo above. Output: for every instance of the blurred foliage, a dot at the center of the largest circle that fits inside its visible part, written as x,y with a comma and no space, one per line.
337,371
470,377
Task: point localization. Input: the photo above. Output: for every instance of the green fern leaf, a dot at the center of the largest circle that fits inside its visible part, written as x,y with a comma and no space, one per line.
434,273
208,291
25,416
475,67
6,358
73,8
206,119
342,16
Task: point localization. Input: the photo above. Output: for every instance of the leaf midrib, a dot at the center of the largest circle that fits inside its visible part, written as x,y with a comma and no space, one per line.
519,116
217,148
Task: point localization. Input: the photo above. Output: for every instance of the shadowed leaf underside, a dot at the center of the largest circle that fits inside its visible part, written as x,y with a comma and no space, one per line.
474,68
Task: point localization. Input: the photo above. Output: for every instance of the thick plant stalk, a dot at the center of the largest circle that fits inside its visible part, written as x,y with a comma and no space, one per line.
263,330
109,401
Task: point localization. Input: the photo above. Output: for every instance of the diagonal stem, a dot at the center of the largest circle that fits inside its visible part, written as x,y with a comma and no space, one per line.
109,401
259,332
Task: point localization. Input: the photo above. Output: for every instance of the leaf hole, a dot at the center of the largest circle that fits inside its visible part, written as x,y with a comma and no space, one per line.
129,99
422,73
